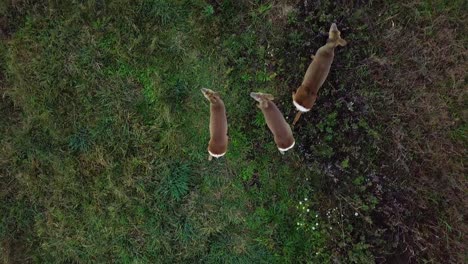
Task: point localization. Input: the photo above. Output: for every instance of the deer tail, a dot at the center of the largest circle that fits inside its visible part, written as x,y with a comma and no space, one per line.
296,118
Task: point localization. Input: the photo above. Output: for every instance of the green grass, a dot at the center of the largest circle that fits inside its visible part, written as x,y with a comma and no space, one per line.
104,133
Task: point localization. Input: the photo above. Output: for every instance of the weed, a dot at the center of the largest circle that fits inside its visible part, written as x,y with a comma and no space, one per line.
176,183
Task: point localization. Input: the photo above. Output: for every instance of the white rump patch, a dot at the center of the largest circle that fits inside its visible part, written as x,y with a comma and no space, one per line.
288,148
216,155
300,107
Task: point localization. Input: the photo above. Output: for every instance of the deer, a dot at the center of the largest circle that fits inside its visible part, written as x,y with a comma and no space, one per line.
217,146
317,72
281,130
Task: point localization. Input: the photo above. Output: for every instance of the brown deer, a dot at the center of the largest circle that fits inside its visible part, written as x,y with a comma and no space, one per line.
217,146
305,96
281,130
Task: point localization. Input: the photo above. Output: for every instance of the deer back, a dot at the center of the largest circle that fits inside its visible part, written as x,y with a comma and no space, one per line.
218,128
277,124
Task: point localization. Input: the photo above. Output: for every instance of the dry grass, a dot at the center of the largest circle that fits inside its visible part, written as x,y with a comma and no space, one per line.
422,74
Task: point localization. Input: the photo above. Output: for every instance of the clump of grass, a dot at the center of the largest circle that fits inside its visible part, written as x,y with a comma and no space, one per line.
80,141
175,184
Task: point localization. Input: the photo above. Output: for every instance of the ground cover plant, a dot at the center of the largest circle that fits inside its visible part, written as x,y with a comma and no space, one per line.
103,132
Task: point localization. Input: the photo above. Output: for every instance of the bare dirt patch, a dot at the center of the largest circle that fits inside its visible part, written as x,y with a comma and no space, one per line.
422,75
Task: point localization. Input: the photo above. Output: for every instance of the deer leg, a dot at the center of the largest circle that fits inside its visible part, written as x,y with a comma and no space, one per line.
296,118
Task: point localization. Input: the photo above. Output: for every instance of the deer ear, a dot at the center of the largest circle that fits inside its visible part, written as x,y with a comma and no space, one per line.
342,42
213,99
269,97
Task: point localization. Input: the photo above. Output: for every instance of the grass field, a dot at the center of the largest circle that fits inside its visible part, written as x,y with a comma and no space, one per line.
104,130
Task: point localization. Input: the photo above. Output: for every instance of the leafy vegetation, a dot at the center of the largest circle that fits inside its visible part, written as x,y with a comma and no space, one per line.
104,133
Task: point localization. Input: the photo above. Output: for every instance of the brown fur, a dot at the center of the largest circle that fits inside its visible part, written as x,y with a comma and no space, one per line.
275,120
318,70
218,123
